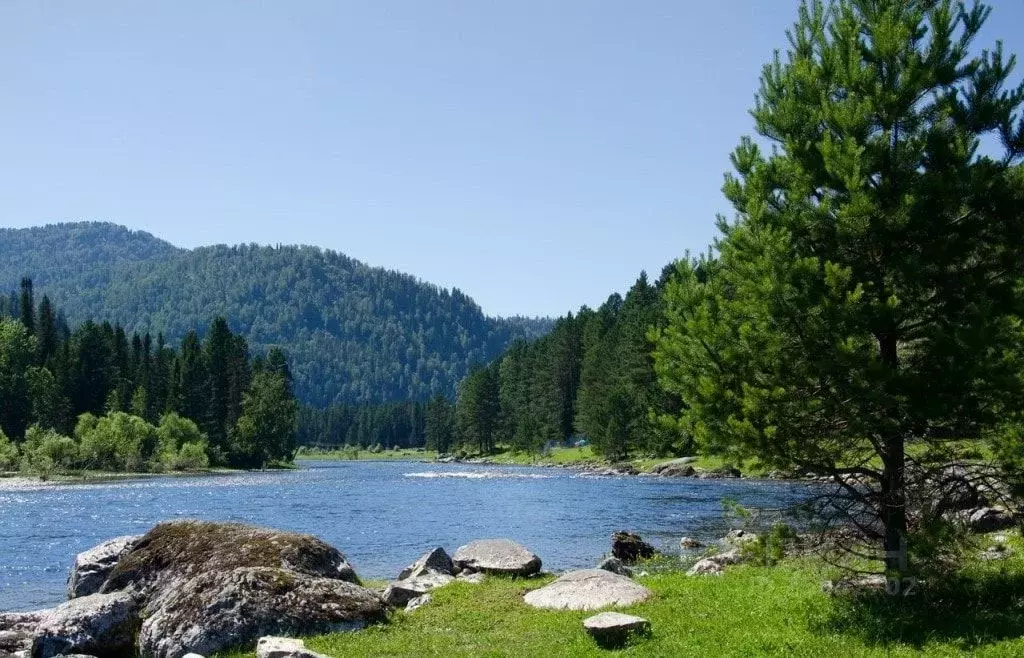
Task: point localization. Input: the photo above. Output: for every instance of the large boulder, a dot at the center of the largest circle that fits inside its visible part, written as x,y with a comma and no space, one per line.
92,567
630,548
103,624
588,589
613,628
989,519
217,610
175,551
499,556
206,587
436,561
401,592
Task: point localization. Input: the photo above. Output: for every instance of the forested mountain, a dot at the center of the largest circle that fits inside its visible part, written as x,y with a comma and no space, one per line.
353,333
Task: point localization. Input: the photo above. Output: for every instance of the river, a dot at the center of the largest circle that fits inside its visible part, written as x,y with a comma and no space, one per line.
382,515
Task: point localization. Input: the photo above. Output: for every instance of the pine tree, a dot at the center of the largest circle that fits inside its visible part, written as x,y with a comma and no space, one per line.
862,298
27,306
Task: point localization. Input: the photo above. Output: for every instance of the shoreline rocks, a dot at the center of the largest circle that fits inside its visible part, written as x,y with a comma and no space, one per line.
196,587
92,567
94,624
588,589
630,547
612,629
498,556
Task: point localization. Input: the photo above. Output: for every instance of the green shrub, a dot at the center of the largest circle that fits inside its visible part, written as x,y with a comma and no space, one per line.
9,456
116,442
46,452
192,457
173,435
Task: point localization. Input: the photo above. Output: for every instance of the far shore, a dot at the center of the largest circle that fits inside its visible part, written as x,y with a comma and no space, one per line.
18,480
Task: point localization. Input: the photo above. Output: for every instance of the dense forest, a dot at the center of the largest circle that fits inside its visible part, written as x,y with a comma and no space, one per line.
353,333
591,376
100,398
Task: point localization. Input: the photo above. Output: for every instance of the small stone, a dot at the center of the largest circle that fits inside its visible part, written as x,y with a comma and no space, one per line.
471,577
740,537
418,602
630,547
614,628
283,647
689,542
615,565
400,592
706,567
436,560
192,655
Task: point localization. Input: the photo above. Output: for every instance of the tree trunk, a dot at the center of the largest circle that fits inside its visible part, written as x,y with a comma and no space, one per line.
894,493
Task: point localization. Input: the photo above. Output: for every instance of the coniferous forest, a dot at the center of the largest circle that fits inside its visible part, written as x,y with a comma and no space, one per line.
99,398
354,334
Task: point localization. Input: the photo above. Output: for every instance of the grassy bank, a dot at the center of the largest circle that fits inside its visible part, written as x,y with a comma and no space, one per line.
749,611
583,456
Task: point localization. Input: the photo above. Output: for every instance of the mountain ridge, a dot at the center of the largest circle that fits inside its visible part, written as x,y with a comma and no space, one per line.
354,333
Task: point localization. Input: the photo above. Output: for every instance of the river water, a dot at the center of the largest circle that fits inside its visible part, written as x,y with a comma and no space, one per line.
382,515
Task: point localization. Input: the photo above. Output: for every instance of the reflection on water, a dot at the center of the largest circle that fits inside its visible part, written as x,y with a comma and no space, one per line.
382,515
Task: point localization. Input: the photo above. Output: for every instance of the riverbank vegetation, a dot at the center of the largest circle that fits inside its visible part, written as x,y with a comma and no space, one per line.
749,610
98,399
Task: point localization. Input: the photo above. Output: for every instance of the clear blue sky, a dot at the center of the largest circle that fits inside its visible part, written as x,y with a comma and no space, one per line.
535,153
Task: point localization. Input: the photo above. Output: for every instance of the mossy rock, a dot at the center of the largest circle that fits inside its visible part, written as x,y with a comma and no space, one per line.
175,550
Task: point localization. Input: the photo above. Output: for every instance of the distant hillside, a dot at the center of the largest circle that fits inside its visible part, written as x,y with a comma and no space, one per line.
354,333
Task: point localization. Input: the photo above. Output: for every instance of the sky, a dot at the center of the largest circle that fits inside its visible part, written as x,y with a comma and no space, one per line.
536,154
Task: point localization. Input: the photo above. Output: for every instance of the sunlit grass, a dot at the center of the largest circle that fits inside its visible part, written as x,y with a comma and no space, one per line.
750,611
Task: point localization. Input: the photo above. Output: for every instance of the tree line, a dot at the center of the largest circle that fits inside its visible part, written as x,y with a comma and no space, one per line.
57,383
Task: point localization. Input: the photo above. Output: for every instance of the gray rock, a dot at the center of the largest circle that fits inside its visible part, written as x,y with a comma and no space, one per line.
588,589
689,542
706,567
16,629
472,577
499,556
675,466
740,537
418,602
92,567
436,560
989,519
283,647
400,592
630,547
217,610
614,628
76,655
179,550
854,586
192,655
615,565
714,565
98,623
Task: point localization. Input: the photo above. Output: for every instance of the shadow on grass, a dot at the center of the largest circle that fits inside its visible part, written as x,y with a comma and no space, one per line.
967,610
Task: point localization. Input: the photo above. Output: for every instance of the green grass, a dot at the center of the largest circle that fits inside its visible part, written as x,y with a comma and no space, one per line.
402,454
750,611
